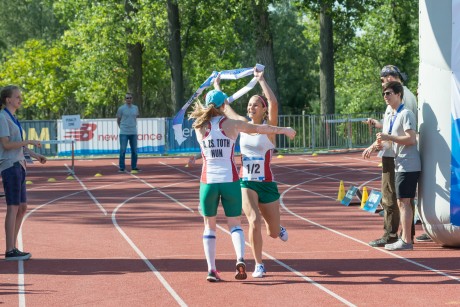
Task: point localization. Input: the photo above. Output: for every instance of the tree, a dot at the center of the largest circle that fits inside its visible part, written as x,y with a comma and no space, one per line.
134,50
175,55
296,59
342,17
22,20
396,23
40,69
263,39
326,66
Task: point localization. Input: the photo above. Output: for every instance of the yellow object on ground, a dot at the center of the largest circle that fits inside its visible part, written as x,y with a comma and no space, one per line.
341,193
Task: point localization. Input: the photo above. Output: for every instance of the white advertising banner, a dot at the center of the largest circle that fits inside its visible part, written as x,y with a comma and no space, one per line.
101,136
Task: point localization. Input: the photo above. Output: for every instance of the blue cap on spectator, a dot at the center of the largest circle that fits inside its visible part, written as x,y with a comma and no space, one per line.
215,97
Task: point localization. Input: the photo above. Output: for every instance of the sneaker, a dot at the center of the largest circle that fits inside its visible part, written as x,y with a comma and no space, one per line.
16,254
283,234
213,276
399,246
423,238
259,272
240,270
121,170
383,241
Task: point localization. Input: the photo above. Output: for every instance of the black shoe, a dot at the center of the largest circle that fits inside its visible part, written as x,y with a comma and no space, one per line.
240,270
16,254
423,238
121,170
383,241
213,276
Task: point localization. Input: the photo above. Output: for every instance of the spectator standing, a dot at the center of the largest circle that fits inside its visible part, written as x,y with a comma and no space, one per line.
391,212
127,116
13,153
399,134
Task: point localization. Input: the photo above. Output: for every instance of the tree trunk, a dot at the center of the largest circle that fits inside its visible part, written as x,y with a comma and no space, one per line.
264,44
326,72
134,52
175,55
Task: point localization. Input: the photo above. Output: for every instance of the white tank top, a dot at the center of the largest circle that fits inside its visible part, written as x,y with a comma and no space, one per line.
256,153
217,151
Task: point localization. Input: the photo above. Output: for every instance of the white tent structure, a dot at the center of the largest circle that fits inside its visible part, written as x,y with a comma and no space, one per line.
439,119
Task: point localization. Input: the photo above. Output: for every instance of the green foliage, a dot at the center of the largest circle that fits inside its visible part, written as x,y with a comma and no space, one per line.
40,70
295,57
385,38
70,56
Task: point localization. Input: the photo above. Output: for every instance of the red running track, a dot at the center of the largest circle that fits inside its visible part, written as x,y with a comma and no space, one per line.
121,238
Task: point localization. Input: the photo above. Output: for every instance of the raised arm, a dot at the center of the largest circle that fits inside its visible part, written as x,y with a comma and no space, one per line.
230,113
271,98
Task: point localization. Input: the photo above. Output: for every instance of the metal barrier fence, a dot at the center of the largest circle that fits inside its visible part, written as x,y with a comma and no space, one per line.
314,132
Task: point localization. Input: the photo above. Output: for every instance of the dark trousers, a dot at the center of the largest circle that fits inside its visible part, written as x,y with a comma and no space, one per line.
124,139
391,216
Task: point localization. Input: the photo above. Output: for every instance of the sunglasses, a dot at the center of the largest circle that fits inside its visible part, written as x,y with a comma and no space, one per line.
387,93
128,97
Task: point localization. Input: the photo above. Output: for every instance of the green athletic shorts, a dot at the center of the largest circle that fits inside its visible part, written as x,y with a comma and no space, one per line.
229,193
267,191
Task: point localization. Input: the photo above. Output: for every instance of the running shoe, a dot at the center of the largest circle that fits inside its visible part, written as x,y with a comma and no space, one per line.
399,246
213,276
283,235
259,272
16,254
383,241
121,170
423,238
240,270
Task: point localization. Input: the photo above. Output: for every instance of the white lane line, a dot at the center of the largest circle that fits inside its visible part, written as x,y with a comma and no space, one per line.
139,252
21,278
21,273
161,192
354,239
303,276
88,192
346,169
343,251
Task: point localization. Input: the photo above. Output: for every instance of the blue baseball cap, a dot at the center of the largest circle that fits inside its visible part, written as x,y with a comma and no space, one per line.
215,97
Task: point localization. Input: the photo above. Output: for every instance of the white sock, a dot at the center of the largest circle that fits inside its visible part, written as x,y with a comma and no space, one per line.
238,241
209,244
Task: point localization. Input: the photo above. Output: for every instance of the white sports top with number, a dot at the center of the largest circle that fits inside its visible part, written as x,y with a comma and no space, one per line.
217,151
256,150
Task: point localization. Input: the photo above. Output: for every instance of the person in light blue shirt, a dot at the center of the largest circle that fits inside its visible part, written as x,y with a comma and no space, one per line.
127,116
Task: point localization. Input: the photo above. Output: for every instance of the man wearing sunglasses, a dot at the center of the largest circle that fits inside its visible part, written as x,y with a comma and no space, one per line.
399,132
391,217
127,116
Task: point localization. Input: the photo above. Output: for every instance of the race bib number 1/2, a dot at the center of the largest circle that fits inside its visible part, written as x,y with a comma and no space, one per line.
253,169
